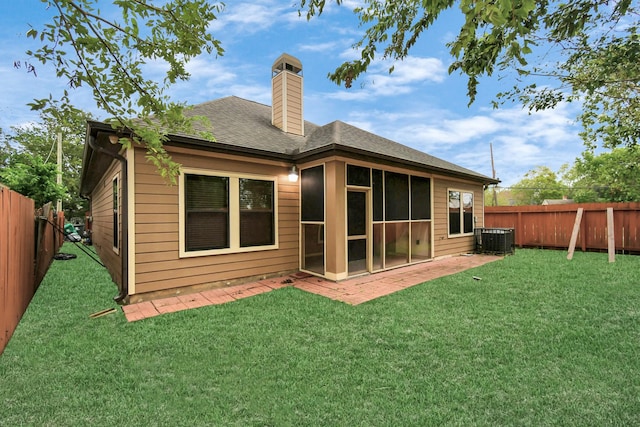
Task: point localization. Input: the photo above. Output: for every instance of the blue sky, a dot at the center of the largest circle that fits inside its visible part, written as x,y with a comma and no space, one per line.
419,105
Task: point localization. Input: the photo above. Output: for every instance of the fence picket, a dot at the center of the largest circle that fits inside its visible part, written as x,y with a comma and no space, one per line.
19,252
551,226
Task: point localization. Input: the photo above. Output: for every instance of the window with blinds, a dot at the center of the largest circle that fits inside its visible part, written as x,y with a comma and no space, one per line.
206,212
227,213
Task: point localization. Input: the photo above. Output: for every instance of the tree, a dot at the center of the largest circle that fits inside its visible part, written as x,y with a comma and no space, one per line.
591,47
32,177
87,48
504,197
6,151
537,185
40,140
607,177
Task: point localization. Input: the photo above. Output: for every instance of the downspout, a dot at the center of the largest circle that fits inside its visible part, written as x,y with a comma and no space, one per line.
124,204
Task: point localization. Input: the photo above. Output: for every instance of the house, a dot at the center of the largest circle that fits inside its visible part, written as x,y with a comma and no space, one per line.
362,203
564,201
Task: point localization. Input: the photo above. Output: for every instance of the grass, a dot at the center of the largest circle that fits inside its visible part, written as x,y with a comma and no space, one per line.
538,341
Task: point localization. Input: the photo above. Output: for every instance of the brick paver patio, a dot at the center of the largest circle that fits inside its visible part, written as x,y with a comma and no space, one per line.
351,291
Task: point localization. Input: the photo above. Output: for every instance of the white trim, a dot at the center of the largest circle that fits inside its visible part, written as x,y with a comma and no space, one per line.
234,213
473,210
131,221
336,277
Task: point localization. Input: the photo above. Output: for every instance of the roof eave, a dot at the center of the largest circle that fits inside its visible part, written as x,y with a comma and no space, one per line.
217,146
338,148
94,158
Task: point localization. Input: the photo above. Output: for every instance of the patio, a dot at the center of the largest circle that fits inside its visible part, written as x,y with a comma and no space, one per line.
351,291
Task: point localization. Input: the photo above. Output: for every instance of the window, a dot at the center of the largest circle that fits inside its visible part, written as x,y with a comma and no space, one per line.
207,212
225,213
396,194
358,175
256,213
312,194
420,198
116,216
460,212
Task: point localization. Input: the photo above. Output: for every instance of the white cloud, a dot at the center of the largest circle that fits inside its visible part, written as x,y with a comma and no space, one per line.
521,141
318,47
249,18
407,77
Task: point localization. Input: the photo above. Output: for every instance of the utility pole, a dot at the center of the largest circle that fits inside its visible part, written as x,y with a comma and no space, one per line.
493,170
59,176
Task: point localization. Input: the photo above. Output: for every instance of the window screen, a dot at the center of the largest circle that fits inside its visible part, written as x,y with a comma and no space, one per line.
256,213
467,208
378,195
312,193
454,212
420,198
206,212
396,191
358,175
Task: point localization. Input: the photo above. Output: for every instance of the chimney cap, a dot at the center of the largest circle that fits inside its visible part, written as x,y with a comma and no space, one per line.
288,63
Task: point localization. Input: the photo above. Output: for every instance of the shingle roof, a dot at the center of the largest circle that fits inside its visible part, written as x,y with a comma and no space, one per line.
247,125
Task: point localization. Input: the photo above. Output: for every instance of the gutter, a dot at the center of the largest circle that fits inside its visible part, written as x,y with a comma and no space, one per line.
338,149
124,289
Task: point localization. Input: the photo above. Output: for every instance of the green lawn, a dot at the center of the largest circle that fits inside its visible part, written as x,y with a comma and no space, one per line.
538,341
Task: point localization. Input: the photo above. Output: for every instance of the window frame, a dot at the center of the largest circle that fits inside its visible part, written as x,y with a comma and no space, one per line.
461,208
115,209
234,213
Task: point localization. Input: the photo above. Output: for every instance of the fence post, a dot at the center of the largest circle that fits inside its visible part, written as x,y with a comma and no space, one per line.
611,236
574,233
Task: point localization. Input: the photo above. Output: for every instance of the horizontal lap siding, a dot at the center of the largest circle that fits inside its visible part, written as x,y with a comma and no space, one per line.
443,244
102,223
158,265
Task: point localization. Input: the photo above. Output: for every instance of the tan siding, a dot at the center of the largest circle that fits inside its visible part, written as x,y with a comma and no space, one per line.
157,218
191,268
277,101
443,244
216,279
228,260
158,237
158,264
102,225
294,104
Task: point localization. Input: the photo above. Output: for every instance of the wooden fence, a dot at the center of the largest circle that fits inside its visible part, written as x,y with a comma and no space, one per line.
551,226
28,243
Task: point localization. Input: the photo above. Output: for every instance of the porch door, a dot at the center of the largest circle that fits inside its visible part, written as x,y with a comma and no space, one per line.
357,236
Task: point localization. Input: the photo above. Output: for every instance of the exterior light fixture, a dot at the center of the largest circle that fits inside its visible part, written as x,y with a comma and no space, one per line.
293,174
114,139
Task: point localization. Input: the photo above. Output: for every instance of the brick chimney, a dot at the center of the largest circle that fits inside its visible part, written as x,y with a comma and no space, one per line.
286,89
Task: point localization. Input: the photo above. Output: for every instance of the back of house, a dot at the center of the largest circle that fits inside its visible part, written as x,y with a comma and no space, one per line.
274,194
